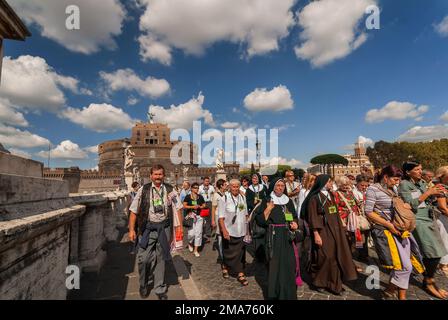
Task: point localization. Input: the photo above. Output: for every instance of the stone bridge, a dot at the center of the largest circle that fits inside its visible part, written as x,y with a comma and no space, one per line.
44,229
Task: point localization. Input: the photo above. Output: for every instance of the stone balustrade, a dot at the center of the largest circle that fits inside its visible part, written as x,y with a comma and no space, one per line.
43,230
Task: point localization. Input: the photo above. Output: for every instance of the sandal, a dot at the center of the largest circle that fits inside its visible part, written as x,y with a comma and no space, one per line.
430,287
242,279
444,270
388,295
225,273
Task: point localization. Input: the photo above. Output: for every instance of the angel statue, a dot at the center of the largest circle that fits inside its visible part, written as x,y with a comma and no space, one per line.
219,159
136,173
128,158
185,171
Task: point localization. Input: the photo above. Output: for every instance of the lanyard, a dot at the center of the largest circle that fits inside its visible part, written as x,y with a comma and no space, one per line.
320,200
159,194
235,203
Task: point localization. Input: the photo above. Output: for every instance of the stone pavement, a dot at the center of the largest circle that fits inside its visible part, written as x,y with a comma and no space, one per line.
199,278
206,273
118,279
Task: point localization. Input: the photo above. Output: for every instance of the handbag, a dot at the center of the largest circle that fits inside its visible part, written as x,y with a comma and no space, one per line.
404,218
204,212
362,223
256,231
188,222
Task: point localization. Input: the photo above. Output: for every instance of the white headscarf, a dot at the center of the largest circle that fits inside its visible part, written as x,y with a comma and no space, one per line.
283,199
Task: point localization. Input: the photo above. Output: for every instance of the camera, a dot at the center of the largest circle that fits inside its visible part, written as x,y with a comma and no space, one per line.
158,209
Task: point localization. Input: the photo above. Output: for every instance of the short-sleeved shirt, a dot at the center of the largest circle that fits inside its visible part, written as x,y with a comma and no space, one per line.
157,197
206,192
378,201
234,211
190,202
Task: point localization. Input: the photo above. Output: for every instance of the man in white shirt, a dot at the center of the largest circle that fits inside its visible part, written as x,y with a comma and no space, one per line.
232,213
292,188
206,190
218,197
151,214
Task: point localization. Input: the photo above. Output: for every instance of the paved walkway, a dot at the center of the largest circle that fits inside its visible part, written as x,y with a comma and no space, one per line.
118,279
206,273
199,278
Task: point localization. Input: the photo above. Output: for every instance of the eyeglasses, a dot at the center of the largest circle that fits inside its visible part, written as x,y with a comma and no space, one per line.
195,188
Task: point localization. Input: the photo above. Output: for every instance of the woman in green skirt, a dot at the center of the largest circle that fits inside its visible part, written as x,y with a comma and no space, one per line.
413,189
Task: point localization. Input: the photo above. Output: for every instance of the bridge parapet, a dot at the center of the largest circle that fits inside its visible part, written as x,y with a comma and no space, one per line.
44,229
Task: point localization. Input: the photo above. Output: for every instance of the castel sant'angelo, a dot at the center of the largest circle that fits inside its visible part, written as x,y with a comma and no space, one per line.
151,144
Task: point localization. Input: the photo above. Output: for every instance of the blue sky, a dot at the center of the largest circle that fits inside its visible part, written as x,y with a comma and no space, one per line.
404,66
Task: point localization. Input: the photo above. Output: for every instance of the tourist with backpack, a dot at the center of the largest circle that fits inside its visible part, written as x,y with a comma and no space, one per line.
397,249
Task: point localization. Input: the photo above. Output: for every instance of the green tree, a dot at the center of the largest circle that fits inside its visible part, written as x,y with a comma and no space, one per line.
328,160
430,154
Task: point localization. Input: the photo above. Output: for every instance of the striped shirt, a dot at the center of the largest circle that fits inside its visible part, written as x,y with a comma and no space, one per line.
378,201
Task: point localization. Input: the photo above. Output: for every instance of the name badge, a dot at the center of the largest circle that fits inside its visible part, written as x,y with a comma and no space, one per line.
332,210
194,202
157,202
288,216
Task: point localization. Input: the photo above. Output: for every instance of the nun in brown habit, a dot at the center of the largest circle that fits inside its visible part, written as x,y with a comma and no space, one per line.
331,258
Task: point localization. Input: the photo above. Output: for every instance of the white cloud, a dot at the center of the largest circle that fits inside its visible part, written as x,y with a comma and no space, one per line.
126,79
331,29
366,142
92,149
442,27
294,163
396,110
29,82
444,116
100,21
65,150
230,125
194,25
277,99
12,137
20,153
428,133
183,115
151,49
10,116
99,117
132,101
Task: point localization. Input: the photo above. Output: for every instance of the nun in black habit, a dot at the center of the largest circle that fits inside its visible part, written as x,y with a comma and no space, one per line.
255,194
278,215
331,258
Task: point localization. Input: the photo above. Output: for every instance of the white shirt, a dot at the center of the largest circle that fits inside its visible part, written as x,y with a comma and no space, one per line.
217,199
228,209
168,199
290,187
206,194
302,195
358,195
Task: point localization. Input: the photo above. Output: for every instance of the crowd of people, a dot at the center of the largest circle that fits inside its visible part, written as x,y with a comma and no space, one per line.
326,225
